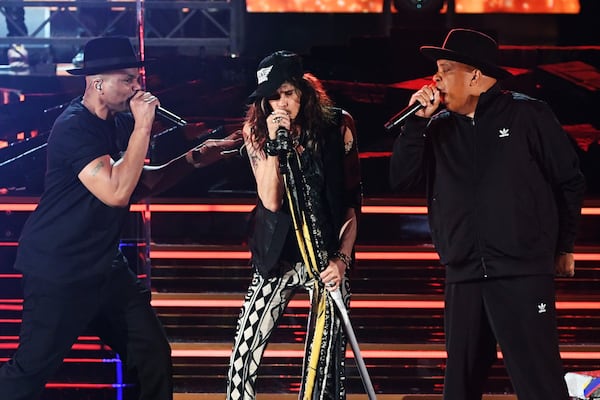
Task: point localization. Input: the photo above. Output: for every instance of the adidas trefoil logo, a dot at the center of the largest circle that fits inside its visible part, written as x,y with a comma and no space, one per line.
503,132
541,308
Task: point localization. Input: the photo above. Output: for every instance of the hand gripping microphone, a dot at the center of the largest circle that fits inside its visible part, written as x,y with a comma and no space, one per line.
402,115
168,115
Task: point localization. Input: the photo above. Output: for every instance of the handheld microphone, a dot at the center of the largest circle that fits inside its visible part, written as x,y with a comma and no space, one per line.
285,148
402,115
168,115
283,136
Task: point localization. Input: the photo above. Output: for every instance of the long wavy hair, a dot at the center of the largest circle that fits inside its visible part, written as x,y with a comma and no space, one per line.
316,111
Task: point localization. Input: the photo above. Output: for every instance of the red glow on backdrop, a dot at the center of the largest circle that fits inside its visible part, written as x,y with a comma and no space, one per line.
343,6
518,6
376,6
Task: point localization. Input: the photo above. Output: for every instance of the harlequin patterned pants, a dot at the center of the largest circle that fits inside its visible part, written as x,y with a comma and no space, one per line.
264,304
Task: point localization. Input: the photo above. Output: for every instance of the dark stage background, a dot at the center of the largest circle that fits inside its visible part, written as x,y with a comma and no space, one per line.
192,251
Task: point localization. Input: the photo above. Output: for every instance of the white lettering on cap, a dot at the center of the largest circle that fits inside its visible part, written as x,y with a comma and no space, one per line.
263,74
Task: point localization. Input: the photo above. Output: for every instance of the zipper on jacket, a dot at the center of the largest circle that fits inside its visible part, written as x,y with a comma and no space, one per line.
485,275
483,266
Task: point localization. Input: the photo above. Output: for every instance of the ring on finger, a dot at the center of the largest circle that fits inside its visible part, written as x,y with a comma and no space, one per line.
331,284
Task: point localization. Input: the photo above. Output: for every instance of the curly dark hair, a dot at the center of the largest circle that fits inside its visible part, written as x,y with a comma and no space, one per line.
316,110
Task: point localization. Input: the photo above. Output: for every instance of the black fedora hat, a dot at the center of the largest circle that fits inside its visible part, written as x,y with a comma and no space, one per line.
107,54
469,47
274,70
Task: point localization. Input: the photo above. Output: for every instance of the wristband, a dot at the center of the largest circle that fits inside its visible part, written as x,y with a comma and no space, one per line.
272,147
346,259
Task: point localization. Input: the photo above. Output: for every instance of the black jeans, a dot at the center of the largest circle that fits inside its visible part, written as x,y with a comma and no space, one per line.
116,307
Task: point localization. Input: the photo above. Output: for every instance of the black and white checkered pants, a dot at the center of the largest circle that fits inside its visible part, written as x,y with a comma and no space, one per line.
264,304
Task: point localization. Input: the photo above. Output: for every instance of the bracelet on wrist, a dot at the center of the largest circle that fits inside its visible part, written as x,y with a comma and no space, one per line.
271,147
346,259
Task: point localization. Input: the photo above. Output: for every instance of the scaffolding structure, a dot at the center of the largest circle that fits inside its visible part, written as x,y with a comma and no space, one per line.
199,25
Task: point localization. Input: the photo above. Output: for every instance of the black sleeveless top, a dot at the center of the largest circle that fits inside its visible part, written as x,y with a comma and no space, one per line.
323,172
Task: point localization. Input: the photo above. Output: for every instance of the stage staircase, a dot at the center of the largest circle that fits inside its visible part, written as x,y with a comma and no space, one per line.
200,271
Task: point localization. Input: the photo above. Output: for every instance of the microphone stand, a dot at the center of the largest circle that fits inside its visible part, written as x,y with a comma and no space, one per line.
290,167
336,295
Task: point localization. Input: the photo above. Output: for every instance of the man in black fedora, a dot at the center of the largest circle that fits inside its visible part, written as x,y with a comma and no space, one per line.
74,275
504,194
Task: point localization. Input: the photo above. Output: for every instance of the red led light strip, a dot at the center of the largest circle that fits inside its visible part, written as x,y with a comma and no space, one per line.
83,385
389,354
355,304
302,303
245,255
360,255
237,303
244,208
74,360
386,354
193,207
211,254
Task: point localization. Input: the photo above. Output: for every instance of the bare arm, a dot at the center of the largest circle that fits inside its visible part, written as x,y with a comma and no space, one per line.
114,182
157,178
269,183
336,270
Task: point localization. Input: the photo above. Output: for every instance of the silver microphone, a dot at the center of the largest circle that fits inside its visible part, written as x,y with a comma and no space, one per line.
402,115
168,115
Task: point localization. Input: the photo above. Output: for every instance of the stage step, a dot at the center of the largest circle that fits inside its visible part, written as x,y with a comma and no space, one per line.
396,311
393,367
377,318
200,271
280,396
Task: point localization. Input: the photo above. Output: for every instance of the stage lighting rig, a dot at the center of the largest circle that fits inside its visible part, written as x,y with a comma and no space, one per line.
419,5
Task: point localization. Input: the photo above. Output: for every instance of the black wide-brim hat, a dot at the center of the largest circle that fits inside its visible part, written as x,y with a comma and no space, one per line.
107,54
275,69
469,47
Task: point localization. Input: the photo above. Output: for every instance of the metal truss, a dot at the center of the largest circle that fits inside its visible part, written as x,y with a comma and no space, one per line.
221,21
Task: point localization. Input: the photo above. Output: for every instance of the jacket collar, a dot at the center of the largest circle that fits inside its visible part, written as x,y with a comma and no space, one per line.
487,98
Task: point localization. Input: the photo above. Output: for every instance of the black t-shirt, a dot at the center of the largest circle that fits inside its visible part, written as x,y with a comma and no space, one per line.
72,235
